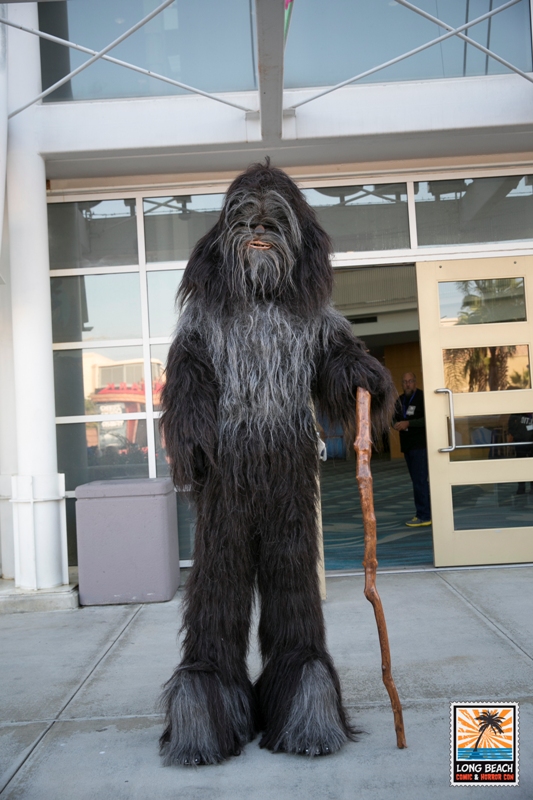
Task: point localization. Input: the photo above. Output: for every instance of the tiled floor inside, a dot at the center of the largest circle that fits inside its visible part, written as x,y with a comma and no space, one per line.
398,546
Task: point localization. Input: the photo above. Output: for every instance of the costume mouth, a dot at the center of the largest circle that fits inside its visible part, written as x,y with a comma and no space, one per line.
257,244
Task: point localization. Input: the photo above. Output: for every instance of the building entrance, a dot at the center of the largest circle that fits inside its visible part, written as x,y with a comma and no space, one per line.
381,303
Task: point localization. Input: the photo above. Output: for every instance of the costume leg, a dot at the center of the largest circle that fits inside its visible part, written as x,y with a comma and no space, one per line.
299,691
209,698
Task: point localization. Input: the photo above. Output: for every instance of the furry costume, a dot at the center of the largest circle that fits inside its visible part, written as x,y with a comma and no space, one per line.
257,345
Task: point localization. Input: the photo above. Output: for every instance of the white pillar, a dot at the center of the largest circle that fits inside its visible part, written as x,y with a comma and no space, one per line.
7,405
38,490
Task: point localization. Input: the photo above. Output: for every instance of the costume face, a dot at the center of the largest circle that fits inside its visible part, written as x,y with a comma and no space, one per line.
260,242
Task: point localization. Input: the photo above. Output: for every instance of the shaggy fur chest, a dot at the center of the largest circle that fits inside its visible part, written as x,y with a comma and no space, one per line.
263,358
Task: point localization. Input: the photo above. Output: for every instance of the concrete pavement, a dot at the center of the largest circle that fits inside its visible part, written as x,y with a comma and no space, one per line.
78,693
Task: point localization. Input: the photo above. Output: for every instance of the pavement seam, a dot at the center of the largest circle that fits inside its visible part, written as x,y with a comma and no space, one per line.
17,766
488,621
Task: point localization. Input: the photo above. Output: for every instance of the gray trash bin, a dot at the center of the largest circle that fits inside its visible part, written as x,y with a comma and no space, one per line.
127,534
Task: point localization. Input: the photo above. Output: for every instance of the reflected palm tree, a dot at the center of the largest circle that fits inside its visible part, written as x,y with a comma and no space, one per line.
486,720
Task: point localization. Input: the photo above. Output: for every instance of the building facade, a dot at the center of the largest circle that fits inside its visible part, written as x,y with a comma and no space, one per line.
409,132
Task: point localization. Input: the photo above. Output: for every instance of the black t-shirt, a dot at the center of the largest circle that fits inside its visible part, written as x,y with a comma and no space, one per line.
520,427
410,407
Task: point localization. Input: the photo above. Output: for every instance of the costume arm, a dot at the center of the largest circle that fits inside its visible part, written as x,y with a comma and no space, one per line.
343,364
189,401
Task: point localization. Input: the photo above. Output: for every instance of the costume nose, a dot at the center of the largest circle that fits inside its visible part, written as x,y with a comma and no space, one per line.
259,229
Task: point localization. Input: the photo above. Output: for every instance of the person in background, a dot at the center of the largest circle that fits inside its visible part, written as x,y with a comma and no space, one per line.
409,420
520,429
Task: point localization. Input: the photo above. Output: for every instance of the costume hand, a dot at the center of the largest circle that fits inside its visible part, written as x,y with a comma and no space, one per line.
401,426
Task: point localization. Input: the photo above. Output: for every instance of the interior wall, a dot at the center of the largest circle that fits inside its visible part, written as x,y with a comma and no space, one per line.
401,358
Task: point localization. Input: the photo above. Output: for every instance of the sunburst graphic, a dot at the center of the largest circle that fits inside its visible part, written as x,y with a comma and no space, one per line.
484,727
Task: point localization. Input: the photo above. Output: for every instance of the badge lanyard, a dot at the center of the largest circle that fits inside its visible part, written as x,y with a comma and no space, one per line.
406,405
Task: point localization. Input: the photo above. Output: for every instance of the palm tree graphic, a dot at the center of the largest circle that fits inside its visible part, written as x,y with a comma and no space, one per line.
486,720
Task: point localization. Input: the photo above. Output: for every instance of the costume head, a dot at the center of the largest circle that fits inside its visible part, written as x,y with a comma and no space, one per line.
266,245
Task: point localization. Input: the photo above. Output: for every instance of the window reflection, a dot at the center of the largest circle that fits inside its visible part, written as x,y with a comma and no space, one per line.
485,301
329,42
487,369
472,210
105,381
95,307
159,356
162,288
92,233
188,42
491,505
369,217
173,225
106,450
506,436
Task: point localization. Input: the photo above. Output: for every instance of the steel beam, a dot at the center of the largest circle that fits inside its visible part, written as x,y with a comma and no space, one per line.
270,20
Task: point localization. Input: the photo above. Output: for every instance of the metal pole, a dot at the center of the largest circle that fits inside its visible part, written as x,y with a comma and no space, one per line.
120,63
98,55
453,32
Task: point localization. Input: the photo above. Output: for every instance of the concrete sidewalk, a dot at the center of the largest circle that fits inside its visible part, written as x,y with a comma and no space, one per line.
78,691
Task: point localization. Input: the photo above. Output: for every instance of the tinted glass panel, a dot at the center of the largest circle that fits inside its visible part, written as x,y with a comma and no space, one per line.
162,288
208,45
93,307
492,505
510,436
159,359
477,302
329,42
487,369
105,381
173,225
102,451
370,217
95,233
474,210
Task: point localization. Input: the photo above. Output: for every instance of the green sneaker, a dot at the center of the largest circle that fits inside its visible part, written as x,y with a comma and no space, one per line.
418,523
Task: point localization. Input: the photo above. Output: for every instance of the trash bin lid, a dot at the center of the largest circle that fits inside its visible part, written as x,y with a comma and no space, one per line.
125,487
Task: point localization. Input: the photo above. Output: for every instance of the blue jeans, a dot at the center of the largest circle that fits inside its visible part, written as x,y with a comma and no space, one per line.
417,464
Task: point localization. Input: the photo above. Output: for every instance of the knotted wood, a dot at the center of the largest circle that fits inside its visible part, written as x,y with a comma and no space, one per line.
362,447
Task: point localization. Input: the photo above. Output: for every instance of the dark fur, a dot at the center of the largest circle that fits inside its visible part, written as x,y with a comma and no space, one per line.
256,344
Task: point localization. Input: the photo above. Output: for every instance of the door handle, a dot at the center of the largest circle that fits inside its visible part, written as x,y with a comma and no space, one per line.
453,446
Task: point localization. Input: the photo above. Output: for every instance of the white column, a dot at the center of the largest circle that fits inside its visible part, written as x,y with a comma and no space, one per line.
38,491
7,438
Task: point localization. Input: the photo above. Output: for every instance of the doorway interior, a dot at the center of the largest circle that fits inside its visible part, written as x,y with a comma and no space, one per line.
381,304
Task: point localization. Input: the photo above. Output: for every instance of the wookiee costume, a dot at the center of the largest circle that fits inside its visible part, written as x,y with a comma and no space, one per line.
257,346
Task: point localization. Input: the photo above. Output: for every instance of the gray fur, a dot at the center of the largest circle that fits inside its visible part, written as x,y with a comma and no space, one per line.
193,739
313,726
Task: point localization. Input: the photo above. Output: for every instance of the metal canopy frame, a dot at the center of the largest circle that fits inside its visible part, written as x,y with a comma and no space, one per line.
271,29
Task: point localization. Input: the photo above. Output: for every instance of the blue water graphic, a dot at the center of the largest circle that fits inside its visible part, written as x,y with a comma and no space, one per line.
485,754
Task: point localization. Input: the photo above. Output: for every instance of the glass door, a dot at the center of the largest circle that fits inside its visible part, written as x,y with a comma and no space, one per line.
476,334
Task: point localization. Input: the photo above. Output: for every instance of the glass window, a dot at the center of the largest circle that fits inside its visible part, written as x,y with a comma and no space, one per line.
487,369
159,359
370,217
506,430
173,225
92,233
94,307
96,451
188,42
491,505
331,42
475,302
105,381
474,210
356,292
162,288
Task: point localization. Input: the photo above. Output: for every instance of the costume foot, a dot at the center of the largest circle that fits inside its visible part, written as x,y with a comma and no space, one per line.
206,721
316,724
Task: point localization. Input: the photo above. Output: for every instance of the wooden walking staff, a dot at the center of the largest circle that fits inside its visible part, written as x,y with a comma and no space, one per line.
362,447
